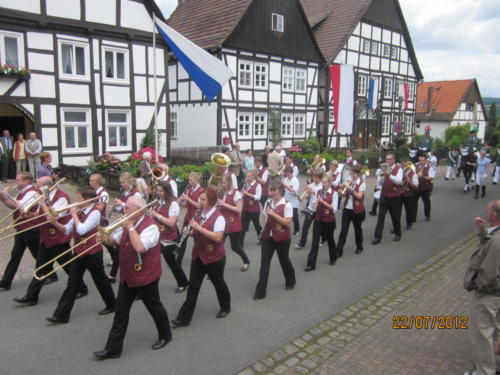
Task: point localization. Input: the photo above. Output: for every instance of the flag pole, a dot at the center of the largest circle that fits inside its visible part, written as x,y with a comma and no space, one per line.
155,89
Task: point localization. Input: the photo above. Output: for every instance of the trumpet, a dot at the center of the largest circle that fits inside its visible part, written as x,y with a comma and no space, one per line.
305,192
345,185
365,171
104,233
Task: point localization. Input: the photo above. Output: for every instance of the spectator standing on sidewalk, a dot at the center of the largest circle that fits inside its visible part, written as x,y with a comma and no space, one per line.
7,145
482,279
20,153
33,149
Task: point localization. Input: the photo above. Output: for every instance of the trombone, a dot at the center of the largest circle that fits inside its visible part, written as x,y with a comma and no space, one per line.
53,213
305,192
103,232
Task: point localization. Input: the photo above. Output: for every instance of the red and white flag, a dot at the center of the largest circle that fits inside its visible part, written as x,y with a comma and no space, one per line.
342,77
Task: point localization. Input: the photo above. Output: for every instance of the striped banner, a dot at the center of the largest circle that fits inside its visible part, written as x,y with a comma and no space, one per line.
373,94
342,77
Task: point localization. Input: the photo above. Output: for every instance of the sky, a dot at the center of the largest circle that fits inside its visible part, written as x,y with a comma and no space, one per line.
453,39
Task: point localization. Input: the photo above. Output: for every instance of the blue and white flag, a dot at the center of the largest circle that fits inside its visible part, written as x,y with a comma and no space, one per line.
373,94
209,73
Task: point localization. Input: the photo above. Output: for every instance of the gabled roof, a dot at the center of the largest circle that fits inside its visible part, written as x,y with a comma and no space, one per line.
446,97
208,23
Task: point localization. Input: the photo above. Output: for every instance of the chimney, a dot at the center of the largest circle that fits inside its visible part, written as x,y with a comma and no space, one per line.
429,99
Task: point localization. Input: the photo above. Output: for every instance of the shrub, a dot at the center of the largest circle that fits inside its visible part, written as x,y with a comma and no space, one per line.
456,135
309,146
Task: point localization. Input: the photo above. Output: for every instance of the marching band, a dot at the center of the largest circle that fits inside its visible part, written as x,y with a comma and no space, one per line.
46,222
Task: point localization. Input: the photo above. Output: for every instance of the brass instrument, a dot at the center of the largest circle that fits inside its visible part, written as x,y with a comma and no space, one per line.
316,164
384,167
409,166
157,173
345,185
305,192
103,232
220,161
365,171
53,213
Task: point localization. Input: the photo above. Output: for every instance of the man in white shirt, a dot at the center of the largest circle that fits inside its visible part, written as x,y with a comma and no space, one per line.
313,189
292,187
33,148
289,163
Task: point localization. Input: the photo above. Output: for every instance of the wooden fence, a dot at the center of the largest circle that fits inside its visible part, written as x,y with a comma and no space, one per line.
193,155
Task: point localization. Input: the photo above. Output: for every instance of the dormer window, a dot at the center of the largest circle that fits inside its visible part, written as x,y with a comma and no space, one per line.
278,22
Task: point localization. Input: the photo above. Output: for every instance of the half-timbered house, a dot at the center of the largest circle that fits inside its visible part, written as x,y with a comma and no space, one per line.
91,85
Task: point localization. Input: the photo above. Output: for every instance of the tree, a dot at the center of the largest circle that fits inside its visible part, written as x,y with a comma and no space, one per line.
491,136
456,135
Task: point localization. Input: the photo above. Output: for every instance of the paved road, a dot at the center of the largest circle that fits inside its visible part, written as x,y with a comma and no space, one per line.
213,346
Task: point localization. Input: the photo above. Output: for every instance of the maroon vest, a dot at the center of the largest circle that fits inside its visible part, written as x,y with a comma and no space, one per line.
104,219
389,188
191,210
323,213
17,213
334,177
151,259
50,235
407,190
166,232
357,204
233,219
124,198
265,187
89,236
275,230
208,251
424,184
250,205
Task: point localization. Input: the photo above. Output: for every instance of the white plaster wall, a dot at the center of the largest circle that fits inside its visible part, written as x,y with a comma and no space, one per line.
74,94
135,16
42,86
48,114
67,9
101,11
40,41
117,96
139,56
32,6
49,138
196,125
41,61
141,93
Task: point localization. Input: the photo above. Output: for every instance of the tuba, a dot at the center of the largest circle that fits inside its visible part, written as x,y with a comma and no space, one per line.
409,166
157,173
220,162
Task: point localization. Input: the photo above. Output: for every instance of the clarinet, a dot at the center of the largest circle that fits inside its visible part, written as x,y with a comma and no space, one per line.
187,228
266,205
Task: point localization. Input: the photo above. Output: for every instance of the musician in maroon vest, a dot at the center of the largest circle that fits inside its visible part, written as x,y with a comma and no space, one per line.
426,176
128,188
276,236
27,193
390,198
230,205
252,192
166,215
189,199
83,226
140,271
262,178
168,179
53,243
208,258
324,223
354,211
409,195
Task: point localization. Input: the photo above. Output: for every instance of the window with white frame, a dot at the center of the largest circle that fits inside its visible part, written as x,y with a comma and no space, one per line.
118,126
278,22
299,126
394,52
366,46
245,74
259,125
288,79
386,124
115,64
400,92
386,50
260,75
411,90
11,49
300,80
395,119
362,85
374,47
244,125
286,125
388,88
74,60
76,129
173,124
408,125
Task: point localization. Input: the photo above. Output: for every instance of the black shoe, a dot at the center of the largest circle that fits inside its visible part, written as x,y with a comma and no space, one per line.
82,294
256,297
105,354
181,289
178,323
392,231
372,213
309,268
50,280
4,287
446,178
56,320
290,287
332,262
160,343
408,227
222,314
340,253
359,250
245,267
428,219
25,301
376,241
397,238
106,311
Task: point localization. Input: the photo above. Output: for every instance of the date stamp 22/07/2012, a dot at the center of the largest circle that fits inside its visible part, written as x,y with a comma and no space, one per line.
430,322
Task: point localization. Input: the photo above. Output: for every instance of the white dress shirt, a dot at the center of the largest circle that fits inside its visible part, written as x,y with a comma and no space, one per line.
220,223
83,228
336,181
313,197
288,212
289,196
29,197
398,178
149,236
237,196
265,175
350,200
258,190
335,198
104,198
234,180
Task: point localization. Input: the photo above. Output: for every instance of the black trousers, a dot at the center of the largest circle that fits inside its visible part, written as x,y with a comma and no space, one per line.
349,216
29,239
374,206
44,255
215,272
182,249
263,199
296,223
150,296
114,251
176,268
468,170
236,245
322,230
394,206
94,264
268,248
426,198
246,217
6,161
410,206
308,219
